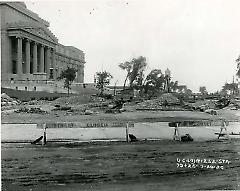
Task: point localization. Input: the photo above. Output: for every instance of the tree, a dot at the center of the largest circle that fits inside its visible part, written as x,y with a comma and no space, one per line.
238,66
126,66
103,79
203,90
136,75
135,69
69,75
231,87
188,92
173,86
154,81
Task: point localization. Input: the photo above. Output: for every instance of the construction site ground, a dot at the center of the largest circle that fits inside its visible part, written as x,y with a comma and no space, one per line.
144,165
77,115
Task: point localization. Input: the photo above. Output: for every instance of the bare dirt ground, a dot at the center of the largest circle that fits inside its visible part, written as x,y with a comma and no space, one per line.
149,116
119,166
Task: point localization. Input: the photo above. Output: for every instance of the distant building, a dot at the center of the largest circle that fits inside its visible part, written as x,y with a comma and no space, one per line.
31,57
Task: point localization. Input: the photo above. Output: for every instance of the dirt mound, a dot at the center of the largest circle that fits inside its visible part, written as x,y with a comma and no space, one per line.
73,100
165,100
78,100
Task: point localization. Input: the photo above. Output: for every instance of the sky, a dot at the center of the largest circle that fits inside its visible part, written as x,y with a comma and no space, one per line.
198,40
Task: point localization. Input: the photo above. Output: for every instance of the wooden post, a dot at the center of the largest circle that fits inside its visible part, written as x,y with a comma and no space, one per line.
223,127
176,136
219,135
127,132
227,133
44,141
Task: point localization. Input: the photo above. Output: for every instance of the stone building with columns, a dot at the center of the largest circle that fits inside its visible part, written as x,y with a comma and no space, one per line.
31,57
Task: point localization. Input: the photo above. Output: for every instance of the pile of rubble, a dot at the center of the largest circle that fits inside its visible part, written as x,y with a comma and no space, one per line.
202,104
62,108
36,102
31,110
8,101
166,101
97,99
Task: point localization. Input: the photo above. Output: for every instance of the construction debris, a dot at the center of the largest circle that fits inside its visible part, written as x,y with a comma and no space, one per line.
132,138
201,105
88,112
211,111
8,101
224,102
165,101
62,108
186,138
114,111
31,110
97,99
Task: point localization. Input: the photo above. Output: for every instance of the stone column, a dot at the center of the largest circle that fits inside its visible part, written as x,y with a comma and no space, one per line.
28,56
54,64
42,59
35,60
19,55
48,62
10,56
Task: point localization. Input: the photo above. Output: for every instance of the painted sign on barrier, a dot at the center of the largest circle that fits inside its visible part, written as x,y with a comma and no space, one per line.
85,125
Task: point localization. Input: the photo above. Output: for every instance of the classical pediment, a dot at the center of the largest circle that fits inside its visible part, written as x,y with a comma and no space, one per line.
34,29
40,32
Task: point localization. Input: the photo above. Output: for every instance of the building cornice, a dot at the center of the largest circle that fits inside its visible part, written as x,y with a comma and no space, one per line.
71,58
25,11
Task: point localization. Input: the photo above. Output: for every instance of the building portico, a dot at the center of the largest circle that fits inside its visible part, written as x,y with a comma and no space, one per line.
31,53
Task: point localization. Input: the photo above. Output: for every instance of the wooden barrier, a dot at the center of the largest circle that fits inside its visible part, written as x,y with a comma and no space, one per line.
84,125
116,124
